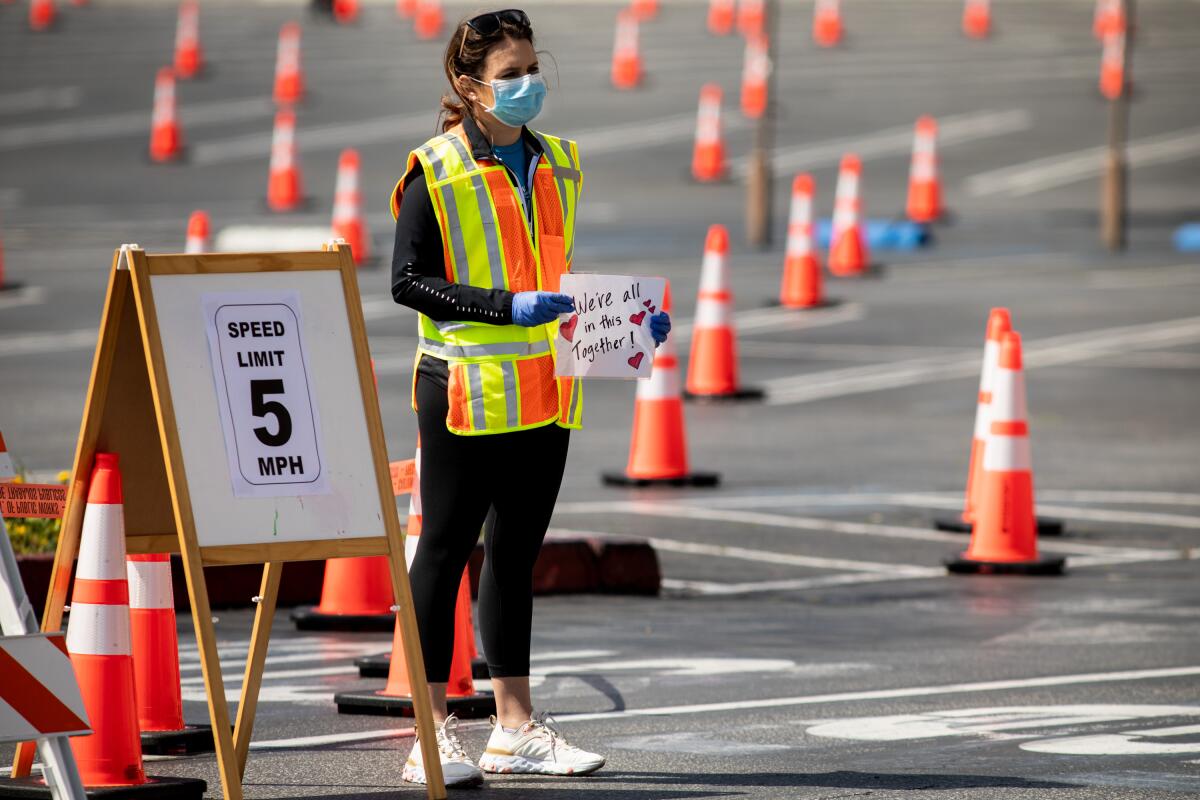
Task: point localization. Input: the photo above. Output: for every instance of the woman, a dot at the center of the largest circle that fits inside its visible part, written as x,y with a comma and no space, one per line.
485,227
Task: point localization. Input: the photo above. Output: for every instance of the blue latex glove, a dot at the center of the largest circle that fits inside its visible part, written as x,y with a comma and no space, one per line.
660,326
538,308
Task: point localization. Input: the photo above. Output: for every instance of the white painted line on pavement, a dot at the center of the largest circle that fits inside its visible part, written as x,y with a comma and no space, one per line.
24,344
819,525
333,738
25,296
316,672
1109,497
714,588
1056,350
953,130
41,99
1041,174
780,318
1118,496
1016,684
1163,360
1146,277
130,123
787,559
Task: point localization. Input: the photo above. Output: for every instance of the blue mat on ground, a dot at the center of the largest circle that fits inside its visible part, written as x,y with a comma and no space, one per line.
1187,238
883,234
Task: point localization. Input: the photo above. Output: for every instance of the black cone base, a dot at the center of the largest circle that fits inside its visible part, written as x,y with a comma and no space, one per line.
307,618
742,395
479,706
1045,525
158,788
191,739
691,479
961,565
375,666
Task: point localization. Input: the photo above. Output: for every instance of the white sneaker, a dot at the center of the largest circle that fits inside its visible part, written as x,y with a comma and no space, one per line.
457,769
536,747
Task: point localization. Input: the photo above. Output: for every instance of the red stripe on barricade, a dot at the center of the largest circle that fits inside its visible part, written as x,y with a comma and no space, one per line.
33,701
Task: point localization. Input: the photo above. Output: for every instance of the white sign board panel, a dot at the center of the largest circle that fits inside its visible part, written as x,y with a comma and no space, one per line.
608,335
321,394
268,415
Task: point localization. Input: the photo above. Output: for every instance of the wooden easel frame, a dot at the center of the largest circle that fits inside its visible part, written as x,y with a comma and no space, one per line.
162,521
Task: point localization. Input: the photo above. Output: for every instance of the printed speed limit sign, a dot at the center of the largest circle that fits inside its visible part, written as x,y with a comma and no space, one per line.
267,405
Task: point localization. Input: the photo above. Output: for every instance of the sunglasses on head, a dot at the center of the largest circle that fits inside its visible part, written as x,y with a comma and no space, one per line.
489,23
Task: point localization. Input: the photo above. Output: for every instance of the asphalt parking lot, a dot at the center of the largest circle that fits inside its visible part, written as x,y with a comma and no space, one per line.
807,642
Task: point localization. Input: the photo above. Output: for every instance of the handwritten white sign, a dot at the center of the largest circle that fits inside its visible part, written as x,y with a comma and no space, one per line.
608,335
268,412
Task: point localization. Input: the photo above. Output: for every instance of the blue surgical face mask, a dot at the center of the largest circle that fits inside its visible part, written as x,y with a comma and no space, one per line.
517,100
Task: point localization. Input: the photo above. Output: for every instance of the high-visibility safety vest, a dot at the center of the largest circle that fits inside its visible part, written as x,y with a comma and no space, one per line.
501,376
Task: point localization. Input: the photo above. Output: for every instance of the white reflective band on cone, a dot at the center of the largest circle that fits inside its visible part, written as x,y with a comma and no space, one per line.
102,543
1007,454
98,630
663,383
991,354
713,276
801,211
712,314
1008,396
150,584
410,548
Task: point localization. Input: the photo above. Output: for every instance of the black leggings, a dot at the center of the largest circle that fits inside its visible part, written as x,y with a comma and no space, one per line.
514,475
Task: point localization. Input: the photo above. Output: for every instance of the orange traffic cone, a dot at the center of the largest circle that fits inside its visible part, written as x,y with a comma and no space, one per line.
284,185
751,17
756,67
644,9
721,15
99,643
827,23
626,61
405,9
1109,18
801,285
713,366
1004,540
356,595
189,58
41,15
289,76
197,233
658,446
977,18
462,698
166,139
348,221
1112,66
427,21
848,255
345,11
156,660
924,184
708,155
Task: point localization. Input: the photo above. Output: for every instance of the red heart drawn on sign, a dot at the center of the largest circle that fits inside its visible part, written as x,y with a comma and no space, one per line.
646,303
651,309
567,329
637,318
635,361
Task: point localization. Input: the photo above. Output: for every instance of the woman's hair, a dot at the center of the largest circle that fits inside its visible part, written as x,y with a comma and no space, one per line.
468,59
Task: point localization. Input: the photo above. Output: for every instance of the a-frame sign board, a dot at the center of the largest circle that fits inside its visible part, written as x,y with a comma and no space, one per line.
236,390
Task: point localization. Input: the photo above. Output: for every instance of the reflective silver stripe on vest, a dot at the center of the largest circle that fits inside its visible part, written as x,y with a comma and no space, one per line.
477,350
575,392
475,378
561,174
457,244
511,400
450,326
490,235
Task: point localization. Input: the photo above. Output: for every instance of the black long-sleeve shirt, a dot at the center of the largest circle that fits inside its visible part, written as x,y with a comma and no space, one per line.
419,266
